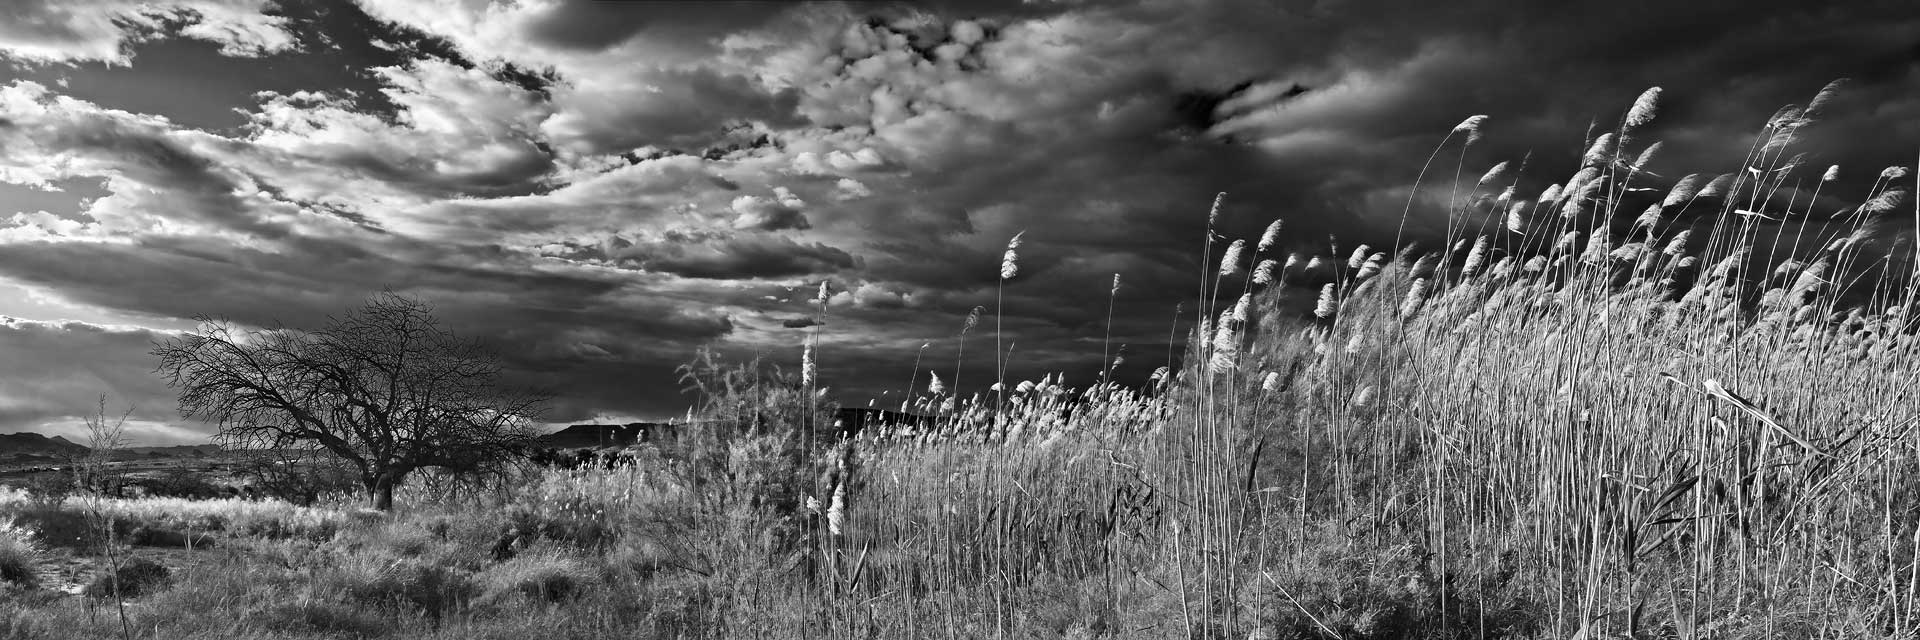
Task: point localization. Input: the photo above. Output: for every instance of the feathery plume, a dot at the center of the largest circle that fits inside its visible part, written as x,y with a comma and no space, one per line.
1649,218
934,385
1471,126
1894,172
1271,382
1213,214
837,512
1825,95
807,369
1475,258
1242,309
1682,190
1416,295
1314,263
1492,174
1566,241
1832,174
823,296
1643,108
1359,256
1717,187
1536,264
1678,245
1263,274
1516,219
1882,203
1230,263
1272,234
1598,154
973,319
1550,194
1009,262
1372,266
1116,285
1324,308
1646,155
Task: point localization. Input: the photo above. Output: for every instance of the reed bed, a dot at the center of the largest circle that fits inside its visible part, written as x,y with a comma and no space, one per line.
1604,412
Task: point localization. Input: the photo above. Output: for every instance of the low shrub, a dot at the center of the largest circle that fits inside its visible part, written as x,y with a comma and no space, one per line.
332,619
18,555
138,577
541,576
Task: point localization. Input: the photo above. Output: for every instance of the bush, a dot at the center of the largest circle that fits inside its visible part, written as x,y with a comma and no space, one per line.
138,577
542,576
18,554
322,617
429,588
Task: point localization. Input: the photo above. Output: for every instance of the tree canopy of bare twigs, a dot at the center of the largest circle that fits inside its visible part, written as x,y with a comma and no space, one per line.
384,386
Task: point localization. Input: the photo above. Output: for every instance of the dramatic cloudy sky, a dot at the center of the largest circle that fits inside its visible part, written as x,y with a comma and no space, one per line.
599,188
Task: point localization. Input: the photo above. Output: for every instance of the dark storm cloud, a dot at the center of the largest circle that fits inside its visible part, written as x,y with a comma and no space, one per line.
602,188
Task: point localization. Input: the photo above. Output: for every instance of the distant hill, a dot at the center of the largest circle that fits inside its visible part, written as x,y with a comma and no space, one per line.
606,435
849,420
33,444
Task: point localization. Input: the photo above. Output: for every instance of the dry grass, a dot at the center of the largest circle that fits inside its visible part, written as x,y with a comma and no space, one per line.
1586,416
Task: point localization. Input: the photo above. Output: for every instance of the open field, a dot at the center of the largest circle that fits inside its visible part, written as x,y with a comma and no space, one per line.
1597,414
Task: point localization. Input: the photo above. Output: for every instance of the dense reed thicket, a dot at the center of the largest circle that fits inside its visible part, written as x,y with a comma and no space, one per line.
1584,415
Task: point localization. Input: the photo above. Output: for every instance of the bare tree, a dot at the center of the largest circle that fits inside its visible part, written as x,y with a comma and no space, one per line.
384,387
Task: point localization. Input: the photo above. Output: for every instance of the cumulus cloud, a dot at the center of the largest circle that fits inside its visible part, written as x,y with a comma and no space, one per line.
604,187
54,31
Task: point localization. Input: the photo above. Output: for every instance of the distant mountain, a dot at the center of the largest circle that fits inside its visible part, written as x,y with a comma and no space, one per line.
848,420
33,444
606,435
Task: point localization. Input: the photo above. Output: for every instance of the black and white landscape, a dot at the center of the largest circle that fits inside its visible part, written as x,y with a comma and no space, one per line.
944,319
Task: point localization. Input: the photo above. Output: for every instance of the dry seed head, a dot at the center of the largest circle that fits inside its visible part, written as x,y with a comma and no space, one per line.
1832,174
1471,126
934,385
1598,154
1718,186
1894,172
1678,245
1516,220
1213,214
1506,196
1416,295
1315,263
1682,190
973,320
1263,274
823,295
1293,260
1649,218
1272,234
1644,108
1476,257
807,370
1230,263
1566,241
1492,174
1647,155
1550,194
1362,397
1504,268
1009,262
1359,256
1372,266
1242,308
1324,309
1271,382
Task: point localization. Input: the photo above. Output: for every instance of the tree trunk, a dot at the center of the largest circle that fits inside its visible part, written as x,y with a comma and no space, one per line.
380,490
